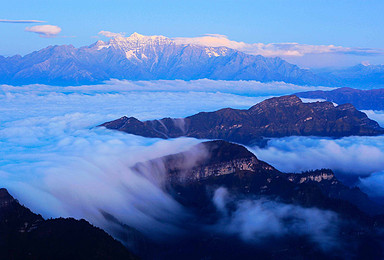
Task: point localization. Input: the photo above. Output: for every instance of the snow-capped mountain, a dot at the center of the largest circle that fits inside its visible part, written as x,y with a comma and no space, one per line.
140,57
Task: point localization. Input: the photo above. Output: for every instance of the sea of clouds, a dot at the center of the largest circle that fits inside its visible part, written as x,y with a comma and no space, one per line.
55,160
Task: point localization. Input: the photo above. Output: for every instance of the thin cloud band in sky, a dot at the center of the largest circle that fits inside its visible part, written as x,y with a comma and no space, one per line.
20,21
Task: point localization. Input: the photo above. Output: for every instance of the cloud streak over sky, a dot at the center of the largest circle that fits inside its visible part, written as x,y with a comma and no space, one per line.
305,55
276,49
20,21
109,34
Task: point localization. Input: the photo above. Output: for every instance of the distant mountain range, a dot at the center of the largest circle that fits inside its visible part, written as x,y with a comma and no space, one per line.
275,117
359,76
362,99
139,57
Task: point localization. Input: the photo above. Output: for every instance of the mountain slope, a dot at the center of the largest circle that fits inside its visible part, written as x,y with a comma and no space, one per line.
275,117
25,235
139,57
220,160
194,181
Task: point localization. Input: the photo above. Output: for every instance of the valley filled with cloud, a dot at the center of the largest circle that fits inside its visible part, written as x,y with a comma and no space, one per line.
52,151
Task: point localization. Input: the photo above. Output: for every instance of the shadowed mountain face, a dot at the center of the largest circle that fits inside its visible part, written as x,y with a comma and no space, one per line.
361,99
275,117
25,235
141,57
194,178
222,163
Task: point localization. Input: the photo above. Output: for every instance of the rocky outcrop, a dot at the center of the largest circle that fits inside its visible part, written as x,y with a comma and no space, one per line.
275,117
192,177
231,165
25,235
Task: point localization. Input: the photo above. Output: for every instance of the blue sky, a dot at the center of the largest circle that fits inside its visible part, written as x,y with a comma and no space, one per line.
352,23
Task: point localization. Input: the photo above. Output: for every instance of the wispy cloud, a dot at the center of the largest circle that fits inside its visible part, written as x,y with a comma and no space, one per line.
20,21
276,49
111,34
46,31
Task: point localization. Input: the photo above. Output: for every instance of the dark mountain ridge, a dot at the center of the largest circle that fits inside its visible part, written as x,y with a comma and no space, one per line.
192,181
25,235
213,160
362,99
275,117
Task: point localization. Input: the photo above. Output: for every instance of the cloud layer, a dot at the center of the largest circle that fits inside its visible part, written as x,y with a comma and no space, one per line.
51,151
275,49
304,55
256,220
109,34
46,31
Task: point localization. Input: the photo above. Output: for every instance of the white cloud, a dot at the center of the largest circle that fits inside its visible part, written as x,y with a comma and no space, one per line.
111,34
373,184
46,31
376,115
255,221
275,49
20,21
51,151
350,156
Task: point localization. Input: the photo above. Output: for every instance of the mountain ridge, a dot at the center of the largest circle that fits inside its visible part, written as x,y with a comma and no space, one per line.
230,168
139,57
26,235
361,99
274,117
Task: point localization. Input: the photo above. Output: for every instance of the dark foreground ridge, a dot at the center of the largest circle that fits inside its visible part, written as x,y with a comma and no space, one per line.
192,180
361,99
25,235
275,117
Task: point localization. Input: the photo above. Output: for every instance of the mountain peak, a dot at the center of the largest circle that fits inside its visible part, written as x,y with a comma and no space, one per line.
136,35
5,198
284,101
137,46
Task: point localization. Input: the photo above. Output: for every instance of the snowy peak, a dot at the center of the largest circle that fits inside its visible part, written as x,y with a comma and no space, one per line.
140,47
137,46
99,45
136,40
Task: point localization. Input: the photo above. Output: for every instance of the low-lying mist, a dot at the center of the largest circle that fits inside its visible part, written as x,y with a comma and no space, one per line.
56,162
256,220
349,157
